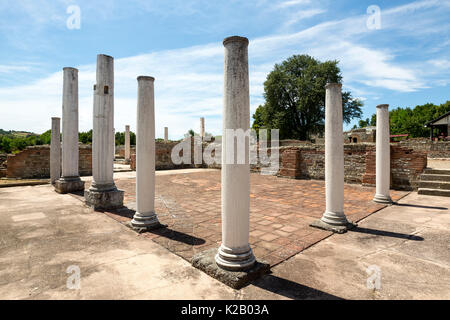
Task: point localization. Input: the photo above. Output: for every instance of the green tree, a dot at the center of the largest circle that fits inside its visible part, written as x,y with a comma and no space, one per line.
295,98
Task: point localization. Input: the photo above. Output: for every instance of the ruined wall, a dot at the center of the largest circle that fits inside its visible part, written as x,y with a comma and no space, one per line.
3,158
34,162
163,160
359,164
434,149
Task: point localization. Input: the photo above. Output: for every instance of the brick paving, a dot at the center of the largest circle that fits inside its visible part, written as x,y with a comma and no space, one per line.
280,212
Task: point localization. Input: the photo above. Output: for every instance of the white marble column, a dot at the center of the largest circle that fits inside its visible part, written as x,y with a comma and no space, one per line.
202,128
166,134
383,156
114,145
145,216
55,151
127,143
70,179
334,218
235,252
103,193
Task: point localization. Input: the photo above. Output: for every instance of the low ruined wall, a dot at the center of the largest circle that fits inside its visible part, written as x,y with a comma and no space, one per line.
34,162
434,149
163,160
359,164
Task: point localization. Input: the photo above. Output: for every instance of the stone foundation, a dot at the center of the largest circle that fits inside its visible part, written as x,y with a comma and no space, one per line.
68,185
104,200
206,262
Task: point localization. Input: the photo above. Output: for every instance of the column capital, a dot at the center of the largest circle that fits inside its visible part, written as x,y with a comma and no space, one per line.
145,78
56,118
333,84
235,39
70,69
382,106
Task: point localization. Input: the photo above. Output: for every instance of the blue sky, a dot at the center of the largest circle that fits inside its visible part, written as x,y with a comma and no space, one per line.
405,62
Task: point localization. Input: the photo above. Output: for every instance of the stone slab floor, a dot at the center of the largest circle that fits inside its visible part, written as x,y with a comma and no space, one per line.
42,233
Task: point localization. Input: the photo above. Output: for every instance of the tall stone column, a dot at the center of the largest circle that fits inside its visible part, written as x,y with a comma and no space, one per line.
202,128
103,193
55,151
166,134
383,156
235,252
114,145
127,144
145,216
334,218
70,179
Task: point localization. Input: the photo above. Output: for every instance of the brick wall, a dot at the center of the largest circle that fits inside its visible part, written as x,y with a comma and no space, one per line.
434,149
34,162
163,160
359,164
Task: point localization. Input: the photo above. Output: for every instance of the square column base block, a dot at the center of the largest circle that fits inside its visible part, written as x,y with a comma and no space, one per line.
206,262
69,185
104,200
145,229
329,227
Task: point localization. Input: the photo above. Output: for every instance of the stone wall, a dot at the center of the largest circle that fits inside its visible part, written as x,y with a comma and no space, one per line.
434,149
34,162
308,162
163,160
3,157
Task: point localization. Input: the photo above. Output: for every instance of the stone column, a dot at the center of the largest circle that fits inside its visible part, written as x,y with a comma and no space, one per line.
145,216
202,128
235,252
55,151
103,193
166,134
333,218
383,156
127,144
70,180
114,145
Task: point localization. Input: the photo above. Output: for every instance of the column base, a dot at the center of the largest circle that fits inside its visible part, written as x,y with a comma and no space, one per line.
231,260
68,184
145,222
206,262
380,198
336,228
104,199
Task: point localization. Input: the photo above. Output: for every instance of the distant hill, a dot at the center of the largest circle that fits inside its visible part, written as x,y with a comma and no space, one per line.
18,134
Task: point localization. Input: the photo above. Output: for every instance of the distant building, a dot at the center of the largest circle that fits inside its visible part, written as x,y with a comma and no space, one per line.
367,134
439,127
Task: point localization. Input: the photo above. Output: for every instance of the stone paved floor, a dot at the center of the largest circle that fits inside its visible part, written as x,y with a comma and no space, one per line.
281,211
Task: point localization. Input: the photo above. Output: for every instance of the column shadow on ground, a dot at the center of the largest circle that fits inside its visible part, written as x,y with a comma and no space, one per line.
291,289
163,232
386,233
418,206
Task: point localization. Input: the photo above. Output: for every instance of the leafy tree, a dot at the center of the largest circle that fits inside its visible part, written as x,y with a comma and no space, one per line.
412,121
295,98
46,137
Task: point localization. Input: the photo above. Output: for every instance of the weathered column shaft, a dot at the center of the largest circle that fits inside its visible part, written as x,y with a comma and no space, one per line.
103,193
334,219
235,252
127,143
166,134
55,151
70,124
334,154
102,164
70,180
114,145
202,127
383,157
145,216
